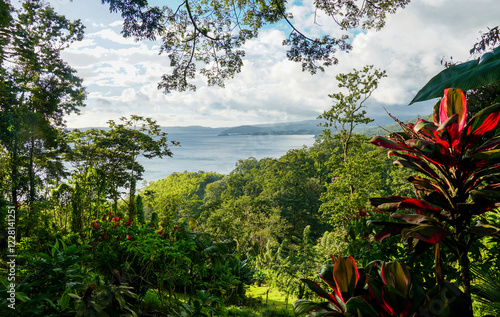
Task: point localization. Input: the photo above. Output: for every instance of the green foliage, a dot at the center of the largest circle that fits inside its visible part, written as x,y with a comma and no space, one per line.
140,209
187,40
252,224
283,266
49,277
105,161
180,196
38,89
346,114
367,173
487,289
111,300
469,75
171,260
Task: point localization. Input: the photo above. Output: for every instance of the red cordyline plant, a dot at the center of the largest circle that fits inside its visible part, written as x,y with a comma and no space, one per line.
384,289
458,165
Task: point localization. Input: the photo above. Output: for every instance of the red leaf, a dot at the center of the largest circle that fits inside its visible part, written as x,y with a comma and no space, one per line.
387,144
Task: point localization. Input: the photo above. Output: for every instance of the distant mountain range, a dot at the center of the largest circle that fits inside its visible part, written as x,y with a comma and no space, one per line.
307,127
288,128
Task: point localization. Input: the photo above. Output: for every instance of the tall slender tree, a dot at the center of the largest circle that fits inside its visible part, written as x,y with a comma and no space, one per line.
347,110
38,89
128,140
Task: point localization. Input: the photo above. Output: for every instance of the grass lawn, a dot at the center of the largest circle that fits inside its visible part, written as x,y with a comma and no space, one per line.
275,298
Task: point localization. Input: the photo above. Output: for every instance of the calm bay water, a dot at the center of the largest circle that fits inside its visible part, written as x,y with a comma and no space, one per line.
208,152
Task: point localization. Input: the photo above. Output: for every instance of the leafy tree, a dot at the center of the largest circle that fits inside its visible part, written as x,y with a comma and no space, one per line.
252,223
61,197
140,209
213,33
346,113
282,267
368,172
105,161
483,97
130,138
180,196
291,183
38,88
91,170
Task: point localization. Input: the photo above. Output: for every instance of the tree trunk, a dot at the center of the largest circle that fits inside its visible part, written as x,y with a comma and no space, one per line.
463,260
14,173
31,198
132,210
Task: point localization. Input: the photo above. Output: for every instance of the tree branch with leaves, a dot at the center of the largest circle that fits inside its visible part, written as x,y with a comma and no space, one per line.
196,33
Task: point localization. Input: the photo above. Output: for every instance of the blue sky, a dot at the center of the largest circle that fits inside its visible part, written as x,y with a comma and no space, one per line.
121,75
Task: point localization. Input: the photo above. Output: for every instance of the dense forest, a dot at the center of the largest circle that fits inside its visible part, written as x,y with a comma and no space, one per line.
402,224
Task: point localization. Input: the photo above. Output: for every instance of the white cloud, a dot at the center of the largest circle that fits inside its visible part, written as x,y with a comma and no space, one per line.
110,35
122,74
116,23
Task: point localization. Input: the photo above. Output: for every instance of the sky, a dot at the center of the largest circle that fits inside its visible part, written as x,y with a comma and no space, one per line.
121,75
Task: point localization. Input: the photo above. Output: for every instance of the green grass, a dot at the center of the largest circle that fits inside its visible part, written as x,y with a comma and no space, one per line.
275,298
256,307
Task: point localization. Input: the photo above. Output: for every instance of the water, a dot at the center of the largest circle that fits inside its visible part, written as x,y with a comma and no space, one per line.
204,150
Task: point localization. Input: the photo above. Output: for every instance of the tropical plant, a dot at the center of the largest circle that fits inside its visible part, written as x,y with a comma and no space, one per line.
459,160
470,75
50,277
112,300
379,289
487,289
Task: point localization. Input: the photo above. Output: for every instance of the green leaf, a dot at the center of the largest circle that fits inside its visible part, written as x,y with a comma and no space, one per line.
469,75
313,286
409,161
356,305
65,298
395,303
397,276
390,228
326,273
483,230
345,273
390,203
303,306
22,297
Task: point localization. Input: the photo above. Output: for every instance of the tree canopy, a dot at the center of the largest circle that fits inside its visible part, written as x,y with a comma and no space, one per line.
213,33
37,89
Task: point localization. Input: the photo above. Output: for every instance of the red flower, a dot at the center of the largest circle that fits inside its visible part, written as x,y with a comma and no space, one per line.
128,222
128,237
